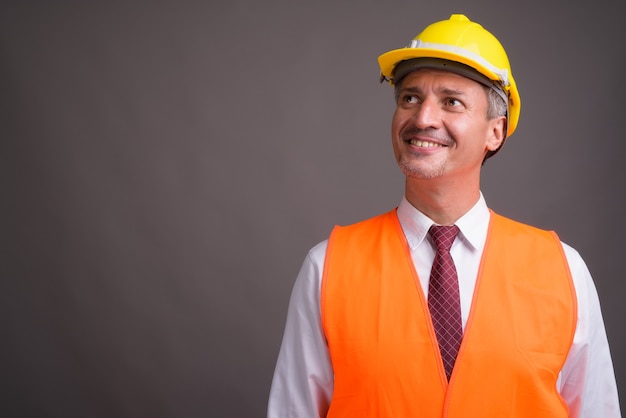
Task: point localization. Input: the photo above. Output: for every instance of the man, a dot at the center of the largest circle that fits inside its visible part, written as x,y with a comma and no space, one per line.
442,308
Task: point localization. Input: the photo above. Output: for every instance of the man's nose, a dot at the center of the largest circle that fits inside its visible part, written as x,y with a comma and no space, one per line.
428,114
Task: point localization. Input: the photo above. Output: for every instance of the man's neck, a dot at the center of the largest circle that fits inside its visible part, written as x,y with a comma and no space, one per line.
442,201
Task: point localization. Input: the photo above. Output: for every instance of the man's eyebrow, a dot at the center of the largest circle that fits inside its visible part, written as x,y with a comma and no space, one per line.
451,91
410,90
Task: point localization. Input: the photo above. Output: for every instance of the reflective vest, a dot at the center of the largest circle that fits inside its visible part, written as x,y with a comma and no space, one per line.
383,346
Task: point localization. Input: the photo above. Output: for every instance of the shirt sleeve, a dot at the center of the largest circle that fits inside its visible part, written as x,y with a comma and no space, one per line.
587,381
303,379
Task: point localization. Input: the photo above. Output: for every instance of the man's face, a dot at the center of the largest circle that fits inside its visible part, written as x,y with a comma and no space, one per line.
440,126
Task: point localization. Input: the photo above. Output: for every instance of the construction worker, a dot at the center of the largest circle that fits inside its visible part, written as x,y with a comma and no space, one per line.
441,307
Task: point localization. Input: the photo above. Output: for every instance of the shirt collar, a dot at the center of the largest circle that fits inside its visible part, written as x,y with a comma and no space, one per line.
473,224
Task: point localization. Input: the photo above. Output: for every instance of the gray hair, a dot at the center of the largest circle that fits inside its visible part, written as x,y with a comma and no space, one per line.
496,107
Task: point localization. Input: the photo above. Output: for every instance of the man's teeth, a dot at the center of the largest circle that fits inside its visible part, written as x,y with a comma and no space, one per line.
424,144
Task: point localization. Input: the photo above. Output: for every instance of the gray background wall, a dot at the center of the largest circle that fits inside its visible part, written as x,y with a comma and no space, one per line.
165,166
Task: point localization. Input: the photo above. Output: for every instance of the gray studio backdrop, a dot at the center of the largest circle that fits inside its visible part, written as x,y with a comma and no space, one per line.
166,165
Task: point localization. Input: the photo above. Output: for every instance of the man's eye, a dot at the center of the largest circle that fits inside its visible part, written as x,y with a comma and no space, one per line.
410,99
453,102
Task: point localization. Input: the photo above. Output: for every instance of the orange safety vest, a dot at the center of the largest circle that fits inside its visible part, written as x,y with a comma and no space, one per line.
383,346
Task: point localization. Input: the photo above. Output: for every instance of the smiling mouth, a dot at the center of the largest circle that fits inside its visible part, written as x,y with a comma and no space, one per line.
424,144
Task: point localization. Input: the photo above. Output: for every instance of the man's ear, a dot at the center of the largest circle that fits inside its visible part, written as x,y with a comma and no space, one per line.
497,133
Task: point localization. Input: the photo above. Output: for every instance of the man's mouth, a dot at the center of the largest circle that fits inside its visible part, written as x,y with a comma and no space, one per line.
424,144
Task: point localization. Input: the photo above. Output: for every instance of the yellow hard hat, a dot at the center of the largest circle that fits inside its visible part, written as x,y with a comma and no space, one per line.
461,41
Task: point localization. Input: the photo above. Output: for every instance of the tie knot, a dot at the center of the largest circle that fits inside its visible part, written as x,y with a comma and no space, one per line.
443,236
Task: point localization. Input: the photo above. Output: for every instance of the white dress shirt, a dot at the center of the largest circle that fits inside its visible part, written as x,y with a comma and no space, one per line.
303,379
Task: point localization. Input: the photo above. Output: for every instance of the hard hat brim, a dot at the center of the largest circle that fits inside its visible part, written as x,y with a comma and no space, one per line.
389,60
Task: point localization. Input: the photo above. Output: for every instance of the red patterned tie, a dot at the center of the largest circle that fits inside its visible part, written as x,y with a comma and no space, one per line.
443,296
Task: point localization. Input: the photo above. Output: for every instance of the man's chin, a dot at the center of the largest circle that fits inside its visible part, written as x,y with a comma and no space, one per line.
419,172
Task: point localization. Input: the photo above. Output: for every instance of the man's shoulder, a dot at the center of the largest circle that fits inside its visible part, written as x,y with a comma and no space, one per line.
316,254
517,225
382,217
